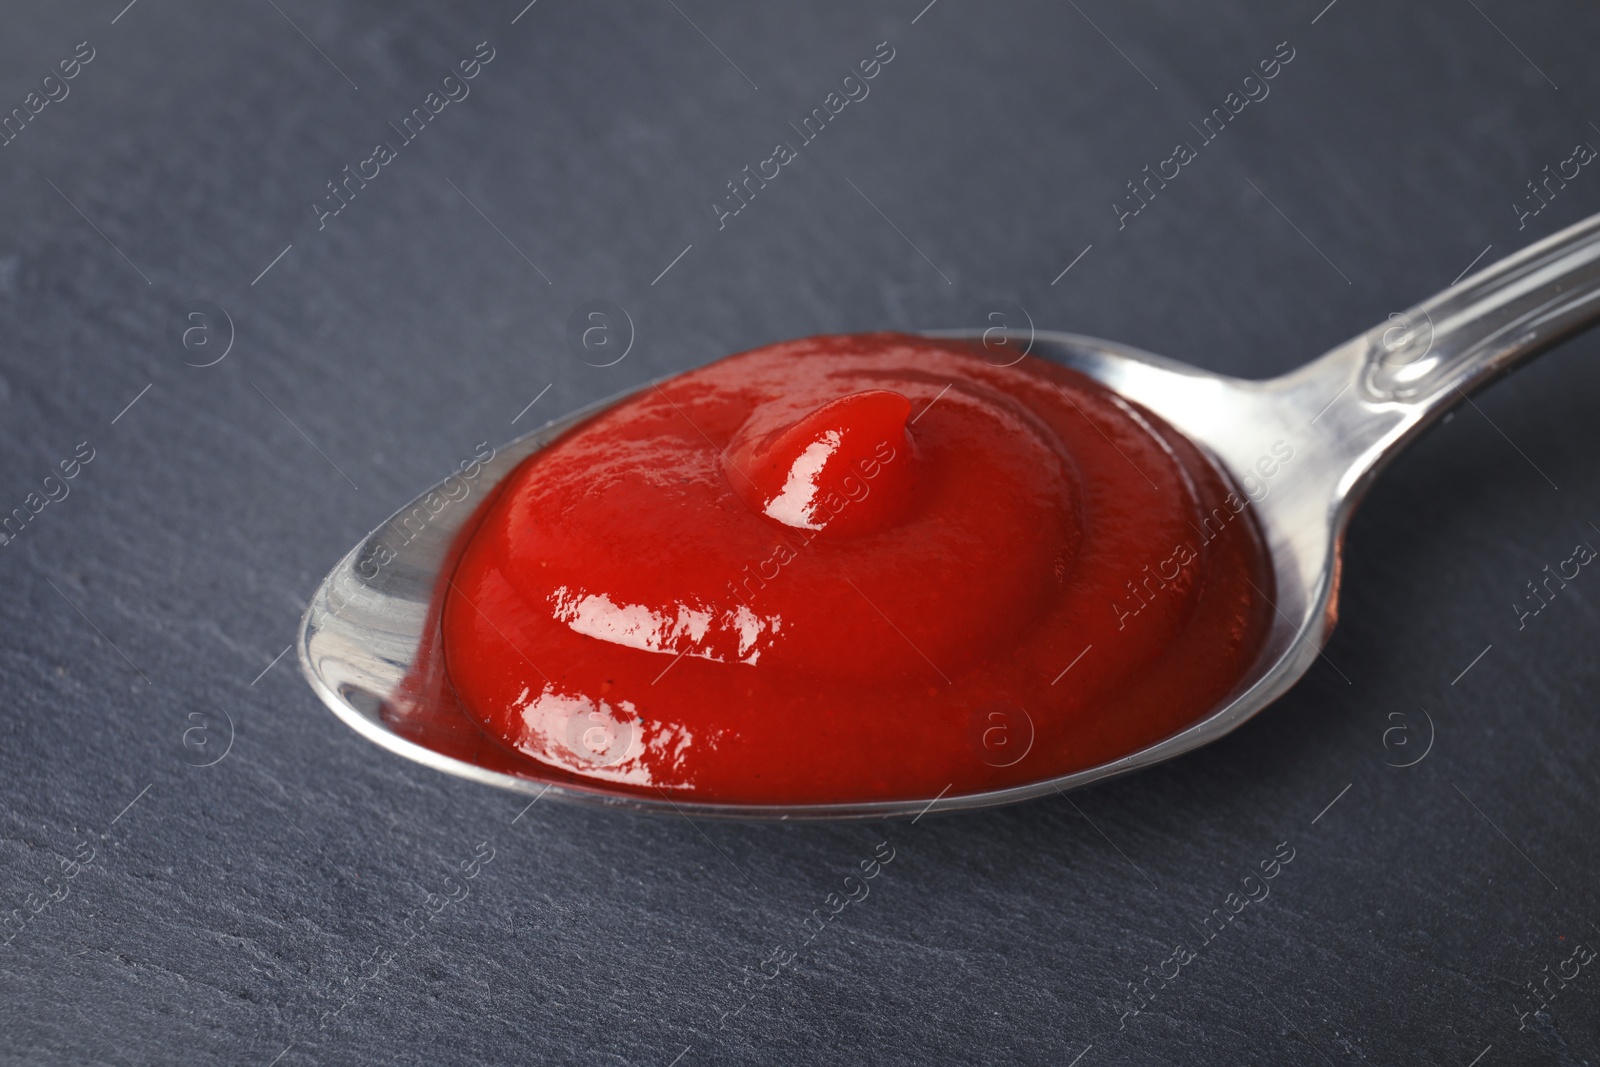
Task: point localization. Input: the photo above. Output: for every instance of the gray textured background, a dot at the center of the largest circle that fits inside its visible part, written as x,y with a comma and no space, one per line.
245,911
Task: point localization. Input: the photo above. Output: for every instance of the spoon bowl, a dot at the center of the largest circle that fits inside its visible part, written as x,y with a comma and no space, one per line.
1304,446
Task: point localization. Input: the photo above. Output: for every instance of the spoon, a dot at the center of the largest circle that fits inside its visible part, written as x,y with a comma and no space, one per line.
368,642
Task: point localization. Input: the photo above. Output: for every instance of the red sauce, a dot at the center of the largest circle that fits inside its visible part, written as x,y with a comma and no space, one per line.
854,568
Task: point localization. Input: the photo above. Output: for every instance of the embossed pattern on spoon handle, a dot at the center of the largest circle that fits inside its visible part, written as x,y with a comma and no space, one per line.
1375,393
1486,324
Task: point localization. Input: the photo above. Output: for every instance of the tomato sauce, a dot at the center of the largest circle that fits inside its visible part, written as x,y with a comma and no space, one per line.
854,568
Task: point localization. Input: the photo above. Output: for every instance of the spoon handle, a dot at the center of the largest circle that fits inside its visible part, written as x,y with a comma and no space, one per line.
1482,326
1376,392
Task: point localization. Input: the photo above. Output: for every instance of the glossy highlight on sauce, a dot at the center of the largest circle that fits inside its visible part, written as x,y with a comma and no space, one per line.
854,568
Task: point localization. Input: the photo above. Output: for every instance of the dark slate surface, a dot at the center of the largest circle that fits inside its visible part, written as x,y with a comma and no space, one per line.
270,905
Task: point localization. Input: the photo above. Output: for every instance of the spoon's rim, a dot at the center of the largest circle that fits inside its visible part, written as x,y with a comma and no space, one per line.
1266,683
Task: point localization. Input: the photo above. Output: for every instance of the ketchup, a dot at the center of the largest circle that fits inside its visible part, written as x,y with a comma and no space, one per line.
853,568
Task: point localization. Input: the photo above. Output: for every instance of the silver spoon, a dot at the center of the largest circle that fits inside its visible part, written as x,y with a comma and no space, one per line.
1345,415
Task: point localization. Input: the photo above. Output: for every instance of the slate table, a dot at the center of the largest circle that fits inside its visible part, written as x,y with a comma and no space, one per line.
199,864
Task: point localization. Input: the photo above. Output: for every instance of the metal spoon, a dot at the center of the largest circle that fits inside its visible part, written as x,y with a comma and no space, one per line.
367,644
